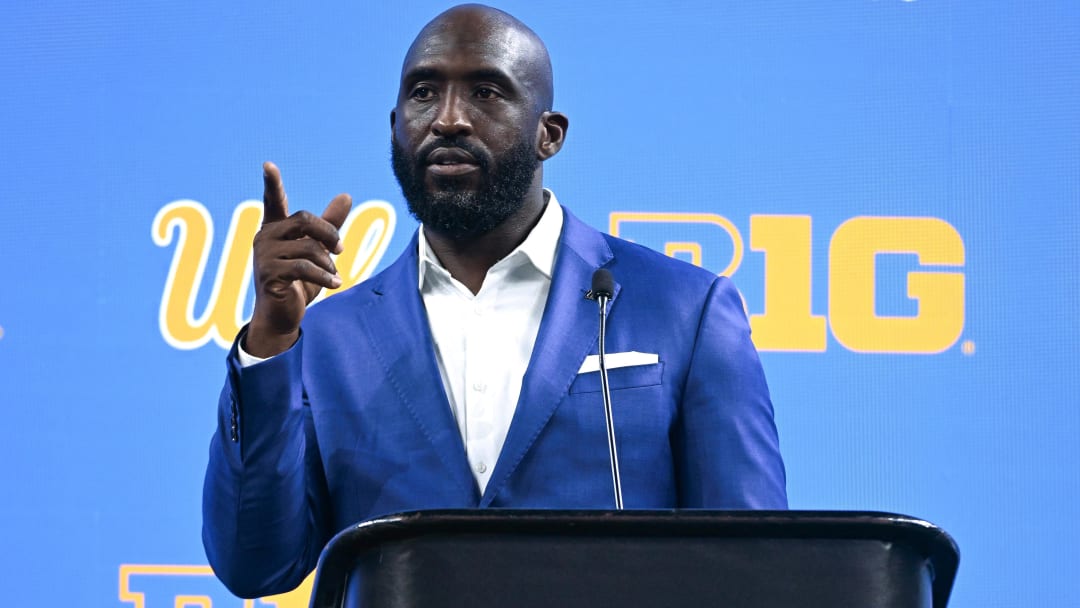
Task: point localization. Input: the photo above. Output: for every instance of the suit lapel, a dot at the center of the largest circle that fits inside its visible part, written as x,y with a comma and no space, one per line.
393,322
568,332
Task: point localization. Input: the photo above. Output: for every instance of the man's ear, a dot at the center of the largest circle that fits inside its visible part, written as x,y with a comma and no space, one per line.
393,118
551,133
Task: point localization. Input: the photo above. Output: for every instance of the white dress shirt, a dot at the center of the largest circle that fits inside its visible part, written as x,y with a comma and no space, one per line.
483,342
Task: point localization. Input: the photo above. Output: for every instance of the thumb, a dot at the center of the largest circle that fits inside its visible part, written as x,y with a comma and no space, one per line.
338,210
336,213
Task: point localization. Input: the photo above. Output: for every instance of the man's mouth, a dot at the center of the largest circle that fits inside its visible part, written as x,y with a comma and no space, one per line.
451,161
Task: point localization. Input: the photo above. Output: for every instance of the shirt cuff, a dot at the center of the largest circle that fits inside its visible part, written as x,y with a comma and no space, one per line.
247,359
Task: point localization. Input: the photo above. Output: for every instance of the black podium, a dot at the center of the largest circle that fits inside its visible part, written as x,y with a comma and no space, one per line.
631,559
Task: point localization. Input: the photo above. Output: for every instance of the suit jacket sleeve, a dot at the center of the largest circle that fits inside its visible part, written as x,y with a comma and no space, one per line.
725,442
264,497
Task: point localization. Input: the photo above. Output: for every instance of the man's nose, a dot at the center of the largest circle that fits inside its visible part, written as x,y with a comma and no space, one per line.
452,119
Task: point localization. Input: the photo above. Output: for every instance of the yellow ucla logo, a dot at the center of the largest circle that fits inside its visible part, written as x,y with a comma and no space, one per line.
365,235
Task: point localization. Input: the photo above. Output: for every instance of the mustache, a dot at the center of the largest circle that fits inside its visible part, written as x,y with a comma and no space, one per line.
475,151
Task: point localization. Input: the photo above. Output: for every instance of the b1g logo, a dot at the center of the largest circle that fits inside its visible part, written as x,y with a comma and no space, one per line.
933,293
857,248
194,586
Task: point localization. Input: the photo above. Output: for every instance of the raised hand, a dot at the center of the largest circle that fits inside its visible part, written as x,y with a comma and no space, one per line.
291,265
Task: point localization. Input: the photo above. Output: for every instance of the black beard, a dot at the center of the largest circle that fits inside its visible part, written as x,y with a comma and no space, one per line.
459,213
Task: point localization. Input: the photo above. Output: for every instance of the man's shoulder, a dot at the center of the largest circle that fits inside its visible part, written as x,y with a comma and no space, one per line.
580,235
661,274
644,259
637,265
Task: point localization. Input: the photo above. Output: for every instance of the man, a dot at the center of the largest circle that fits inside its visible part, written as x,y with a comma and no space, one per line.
459,377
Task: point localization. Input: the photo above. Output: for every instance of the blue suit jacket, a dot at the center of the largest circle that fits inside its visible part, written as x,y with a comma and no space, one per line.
353,421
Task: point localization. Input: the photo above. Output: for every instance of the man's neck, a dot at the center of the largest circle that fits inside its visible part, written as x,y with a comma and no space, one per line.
469,259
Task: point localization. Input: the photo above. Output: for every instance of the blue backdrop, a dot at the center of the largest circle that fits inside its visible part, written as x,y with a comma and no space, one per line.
893,185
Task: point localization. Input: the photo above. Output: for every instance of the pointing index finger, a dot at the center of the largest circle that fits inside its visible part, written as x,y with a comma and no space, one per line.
275,203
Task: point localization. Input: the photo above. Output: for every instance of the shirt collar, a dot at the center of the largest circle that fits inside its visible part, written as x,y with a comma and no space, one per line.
538,247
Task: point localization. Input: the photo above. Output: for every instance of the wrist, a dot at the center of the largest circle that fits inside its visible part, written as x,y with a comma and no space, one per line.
263,340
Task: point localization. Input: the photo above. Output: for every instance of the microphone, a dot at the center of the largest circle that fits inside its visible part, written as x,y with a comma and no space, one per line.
603,284
603,288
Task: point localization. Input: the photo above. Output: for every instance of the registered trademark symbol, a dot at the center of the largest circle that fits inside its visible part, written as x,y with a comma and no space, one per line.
967,347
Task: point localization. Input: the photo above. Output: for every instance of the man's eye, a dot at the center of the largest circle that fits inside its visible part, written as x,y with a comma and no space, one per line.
486,93
422,92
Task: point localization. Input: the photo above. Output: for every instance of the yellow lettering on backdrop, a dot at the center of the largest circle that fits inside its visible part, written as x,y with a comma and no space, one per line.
674,248
852,285
220,319
617,218
787,323
131,592
365,236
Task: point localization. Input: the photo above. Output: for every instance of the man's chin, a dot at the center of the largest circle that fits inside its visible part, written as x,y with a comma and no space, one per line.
449,185
458,215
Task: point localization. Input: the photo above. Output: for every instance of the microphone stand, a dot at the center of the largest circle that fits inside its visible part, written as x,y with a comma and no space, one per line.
602,288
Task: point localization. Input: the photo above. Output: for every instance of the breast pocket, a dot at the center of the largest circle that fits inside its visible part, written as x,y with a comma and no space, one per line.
634,376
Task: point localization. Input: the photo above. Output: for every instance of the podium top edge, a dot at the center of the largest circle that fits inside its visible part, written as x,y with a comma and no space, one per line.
891,527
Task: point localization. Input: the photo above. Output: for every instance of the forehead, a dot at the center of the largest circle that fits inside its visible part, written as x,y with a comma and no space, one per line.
450,47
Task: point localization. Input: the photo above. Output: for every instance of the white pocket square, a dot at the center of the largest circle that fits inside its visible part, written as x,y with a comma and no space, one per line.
614,360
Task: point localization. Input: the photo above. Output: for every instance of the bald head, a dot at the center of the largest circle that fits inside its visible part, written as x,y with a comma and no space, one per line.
472,127
475,28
